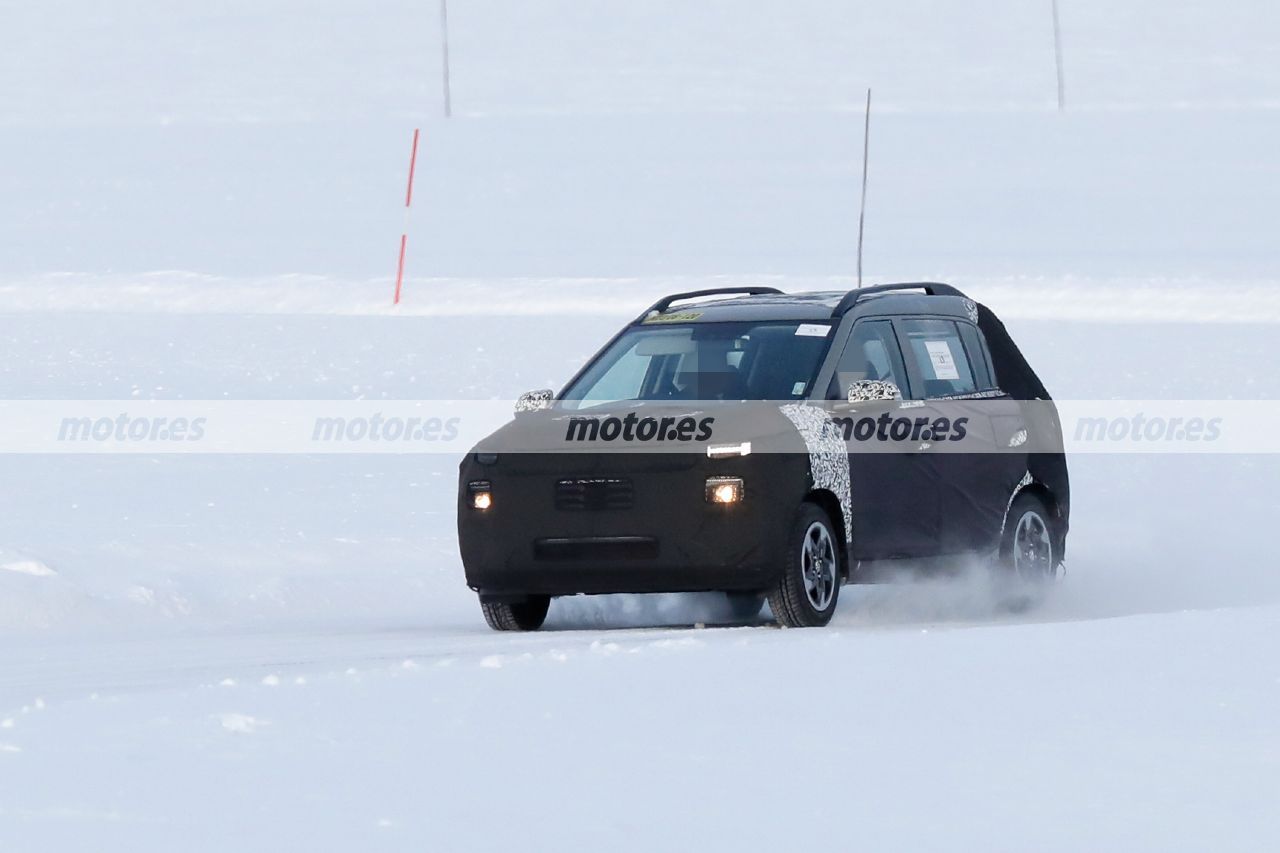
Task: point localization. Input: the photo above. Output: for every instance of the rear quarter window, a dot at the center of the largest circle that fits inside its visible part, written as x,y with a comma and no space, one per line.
979,357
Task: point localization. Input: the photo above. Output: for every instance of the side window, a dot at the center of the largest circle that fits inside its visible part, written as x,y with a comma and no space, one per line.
940,366
976,346
871,353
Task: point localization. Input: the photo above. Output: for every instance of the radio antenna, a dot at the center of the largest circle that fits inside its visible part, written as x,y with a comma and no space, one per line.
444,54
862,212
1057,55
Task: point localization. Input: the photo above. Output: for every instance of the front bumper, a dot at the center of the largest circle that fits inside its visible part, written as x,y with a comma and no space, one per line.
669,540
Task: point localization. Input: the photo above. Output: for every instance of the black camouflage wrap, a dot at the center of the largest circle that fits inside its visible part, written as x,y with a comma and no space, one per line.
650,528
1016,378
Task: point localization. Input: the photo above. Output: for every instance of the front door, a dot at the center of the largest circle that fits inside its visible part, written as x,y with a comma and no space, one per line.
894,505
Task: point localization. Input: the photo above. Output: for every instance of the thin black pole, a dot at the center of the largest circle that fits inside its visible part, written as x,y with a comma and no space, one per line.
444,44
862,212
1057,54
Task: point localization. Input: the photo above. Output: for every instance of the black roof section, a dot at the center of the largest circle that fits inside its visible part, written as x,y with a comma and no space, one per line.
769,303
931,288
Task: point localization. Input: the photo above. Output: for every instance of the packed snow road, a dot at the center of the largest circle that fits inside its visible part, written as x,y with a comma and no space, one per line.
288,642
1157,730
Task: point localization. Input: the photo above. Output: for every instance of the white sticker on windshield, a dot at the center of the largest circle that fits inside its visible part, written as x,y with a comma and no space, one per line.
797,389
812,330
944,365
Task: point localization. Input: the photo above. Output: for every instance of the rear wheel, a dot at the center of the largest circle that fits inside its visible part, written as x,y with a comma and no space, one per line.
527,615
1027,552
806,594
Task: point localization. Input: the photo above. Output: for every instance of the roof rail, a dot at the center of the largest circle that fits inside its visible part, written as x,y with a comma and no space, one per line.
665,302
932,288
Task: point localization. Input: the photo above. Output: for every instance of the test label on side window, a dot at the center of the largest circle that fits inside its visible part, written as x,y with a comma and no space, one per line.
944,365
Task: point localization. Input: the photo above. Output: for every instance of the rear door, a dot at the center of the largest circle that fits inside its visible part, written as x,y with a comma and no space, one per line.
972,476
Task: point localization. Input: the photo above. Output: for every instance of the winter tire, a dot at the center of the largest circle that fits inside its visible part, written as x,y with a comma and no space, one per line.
527,615
806,593
1027,552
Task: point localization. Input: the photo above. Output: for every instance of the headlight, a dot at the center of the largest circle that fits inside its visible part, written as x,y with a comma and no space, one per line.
724,490
725,451
480,494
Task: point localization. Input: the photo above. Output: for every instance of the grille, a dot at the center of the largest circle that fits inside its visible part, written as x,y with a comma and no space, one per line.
594,493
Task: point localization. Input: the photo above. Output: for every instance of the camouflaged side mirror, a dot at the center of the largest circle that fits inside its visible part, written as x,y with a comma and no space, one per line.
868,390
534,401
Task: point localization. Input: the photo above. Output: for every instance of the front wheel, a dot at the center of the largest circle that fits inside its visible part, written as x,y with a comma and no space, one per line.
806,594
527,615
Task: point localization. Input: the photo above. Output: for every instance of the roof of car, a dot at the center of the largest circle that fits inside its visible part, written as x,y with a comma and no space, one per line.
810,306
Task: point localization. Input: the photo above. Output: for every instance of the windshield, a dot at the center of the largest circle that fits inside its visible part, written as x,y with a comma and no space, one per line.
705,361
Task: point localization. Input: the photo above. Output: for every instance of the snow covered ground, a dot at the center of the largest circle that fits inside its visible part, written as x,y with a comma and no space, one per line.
266,652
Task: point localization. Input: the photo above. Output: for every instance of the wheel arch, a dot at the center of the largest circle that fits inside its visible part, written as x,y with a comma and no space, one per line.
1051,503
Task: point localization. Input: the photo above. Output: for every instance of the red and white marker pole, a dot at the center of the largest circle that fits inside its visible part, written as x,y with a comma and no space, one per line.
408,200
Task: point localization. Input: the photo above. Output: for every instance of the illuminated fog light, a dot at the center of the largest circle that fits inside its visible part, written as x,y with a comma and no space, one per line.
481,495
724,490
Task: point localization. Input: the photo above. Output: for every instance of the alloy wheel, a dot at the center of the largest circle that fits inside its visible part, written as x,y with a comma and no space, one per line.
818,563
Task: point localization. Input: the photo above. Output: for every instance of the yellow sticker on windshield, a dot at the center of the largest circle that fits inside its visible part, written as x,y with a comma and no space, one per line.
680,317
